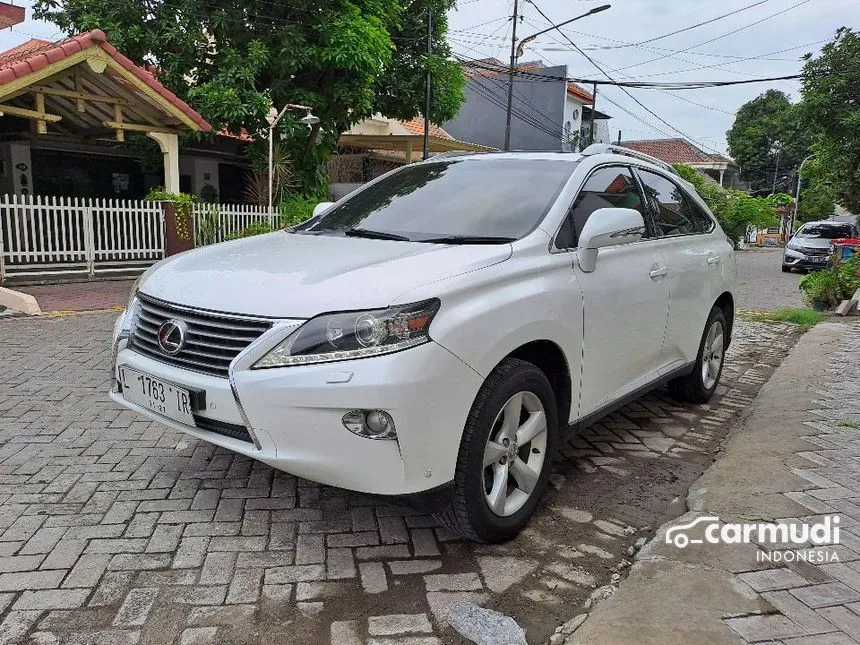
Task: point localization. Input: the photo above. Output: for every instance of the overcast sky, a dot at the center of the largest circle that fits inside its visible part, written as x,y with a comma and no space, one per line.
479,28
632,21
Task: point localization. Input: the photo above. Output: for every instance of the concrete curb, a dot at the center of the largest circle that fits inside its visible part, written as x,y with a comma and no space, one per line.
23,302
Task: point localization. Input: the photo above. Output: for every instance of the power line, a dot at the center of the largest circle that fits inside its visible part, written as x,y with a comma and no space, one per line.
679,31
636,100
721,36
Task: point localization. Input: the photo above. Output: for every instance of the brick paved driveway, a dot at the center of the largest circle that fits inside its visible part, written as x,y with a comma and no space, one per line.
115,529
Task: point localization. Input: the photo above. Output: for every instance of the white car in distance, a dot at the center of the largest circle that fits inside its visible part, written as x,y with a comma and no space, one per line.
429,335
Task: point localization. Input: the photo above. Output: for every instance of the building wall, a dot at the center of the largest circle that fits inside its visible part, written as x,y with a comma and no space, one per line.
482,115
572,123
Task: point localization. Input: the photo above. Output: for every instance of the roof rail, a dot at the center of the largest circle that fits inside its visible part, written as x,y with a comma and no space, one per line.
604,148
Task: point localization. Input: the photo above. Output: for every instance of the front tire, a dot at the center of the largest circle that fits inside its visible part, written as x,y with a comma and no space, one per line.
699,385
786,269
506,454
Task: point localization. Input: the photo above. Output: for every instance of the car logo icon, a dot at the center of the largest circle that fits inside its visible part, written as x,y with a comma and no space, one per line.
676,535
171,336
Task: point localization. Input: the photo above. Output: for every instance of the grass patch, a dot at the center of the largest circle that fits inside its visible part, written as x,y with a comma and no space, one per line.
804,318
850,424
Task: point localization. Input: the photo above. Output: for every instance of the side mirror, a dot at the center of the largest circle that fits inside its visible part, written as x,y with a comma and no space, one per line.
608,227
322,206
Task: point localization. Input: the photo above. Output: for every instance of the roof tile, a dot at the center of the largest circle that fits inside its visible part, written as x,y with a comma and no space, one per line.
675,151
35,54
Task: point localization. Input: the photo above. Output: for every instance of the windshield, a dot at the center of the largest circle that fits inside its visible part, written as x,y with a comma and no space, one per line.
451,201
825,232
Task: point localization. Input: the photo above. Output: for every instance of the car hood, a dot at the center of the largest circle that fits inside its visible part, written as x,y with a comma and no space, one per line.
813,242
288,275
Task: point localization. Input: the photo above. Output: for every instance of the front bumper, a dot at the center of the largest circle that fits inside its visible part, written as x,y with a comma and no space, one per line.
799,260
294,415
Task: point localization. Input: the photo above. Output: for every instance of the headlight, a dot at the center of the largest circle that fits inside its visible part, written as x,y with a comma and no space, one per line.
354,334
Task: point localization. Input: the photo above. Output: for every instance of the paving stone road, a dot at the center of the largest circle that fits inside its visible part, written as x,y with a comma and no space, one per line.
115,529
761,283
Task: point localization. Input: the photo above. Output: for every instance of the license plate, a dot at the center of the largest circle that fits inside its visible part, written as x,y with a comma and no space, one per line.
157,395
819,260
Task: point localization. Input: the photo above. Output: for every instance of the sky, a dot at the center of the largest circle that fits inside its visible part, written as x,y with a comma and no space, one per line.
774,46
480,28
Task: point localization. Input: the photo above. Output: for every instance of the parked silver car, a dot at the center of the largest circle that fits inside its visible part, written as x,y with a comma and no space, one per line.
809,248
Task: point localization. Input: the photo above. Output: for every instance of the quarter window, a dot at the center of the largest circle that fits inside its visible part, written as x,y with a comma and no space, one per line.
675,213
605,188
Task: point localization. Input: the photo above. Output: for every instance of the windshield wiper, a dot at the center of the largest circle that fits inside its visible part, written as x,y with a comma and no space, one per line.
469,239
375,235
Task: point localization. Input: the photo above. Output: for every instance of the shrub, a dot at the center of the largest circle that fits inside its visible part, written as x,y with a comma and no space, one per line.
257,228
821,289
296,210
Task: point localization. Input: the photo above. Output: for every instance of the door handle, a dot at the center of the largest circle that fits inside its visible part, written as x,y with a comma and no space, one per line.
714,260
659,273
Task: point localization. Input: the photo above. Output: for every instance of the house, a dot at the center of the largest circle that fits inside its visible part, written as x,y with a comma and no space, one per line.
719,167
69,109
547,111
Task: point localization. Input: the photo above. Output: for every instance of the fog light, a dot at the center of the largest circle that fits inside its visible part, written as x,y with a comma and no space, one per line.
371,424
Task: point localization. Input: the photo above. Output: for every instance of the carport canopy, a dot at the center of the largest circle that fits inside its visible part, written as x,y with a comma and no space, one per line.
408,144
82,87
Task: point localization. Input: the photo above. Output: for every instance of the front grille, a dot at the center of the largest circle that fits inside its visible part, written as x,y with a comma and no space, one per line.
221,427
814,250
212,339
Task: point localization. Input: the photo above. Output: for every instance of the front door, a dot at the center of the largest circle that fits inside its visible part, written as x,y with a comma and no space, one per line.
626,298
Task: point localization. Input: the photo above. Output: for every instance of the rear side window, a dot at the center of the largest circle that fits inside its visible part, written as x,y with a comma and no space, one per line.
606,188
675,213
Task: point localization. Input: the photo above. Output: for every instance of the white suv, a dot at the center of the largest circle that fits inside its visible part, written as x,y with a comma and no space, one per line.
429,335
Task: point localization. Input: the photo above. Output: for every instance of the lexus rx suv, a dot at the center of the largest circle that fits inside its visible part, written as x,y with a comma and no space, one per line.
430,335
810,247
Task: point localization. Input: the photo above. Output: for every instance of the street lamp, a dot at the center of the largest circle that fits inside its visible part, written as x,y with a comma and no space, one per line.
797,195
517,51
273,117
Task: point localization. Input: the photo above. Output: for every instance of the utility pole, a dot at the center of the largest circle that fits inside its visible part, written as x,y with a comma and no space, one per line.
511,71
593,110
428,82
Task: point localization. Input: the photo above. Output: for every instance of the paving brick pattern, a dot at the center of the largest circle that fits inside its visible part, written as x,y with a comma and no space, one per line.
819,602
115,529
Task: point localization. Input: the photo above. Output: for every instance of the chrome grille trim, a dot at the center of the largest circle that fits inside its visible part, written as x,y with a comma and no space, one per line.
213,340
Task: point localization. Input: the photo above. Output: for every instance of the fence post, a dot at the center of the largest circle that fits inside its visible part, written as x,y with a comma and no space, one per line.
3,211
89,237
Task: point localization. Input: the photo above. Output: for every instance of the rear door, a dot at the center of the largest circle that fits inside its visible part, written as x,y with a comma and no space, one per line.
694,252
625,300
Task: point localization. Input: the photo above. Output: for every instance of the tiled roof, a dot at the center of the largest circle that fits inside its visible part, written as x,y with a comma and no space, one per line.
675,151
416,126
36,54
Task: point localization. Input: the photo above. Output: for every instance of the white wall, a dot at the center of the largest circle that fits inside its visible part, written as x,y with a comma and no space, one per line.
572,115
203,170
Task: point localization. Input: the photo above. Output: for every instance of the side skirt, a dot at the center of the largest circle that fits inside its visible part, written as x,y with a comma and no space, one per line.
586,421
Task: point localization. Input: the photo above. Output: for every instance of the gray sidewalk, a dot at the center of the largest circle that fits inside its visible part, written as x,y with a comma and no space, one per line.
795,457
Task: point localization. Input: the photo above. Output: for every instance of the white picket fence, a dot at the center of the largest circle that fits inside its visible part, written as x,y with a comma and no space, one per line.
216,222
41,237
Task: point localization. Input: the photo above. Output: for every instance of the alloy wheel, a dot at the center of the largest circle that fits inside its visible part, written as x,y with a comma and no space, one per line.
515,453
712,355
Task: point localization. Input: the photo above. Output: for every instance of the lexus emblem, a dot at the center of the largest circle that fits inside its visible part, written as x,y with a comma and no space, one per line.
171,336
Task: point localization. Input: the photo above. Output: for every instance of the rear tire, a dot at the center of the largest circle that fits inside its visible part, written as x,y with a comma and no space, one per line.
699,385
506,454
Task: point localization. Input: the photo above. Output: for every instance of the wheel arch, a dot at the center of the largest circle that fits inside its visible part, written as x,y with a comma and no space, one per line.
551,360
726,302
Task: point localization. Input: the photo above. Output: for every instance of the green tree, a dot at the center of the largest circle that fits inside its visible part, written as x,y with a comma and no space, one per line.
232,59
831,109
817,200
767,140
735,211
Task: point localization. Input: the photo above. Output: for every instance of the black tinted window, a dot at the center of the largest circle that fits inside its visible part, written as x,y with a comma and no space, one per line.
605,188
676,213
481,197
825,231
